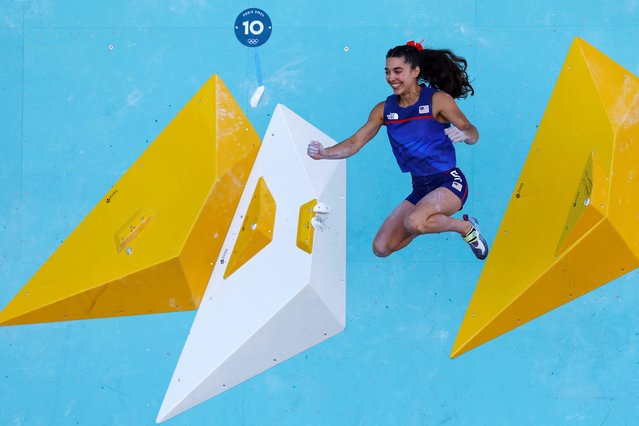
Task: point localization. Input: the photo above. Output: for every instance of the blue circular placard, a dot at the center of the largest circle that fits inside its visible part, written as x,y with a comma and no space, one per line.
253,27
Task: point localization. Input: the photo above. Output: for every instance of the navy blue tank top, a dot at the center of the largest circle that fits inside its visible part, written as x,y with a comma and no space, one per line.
418,140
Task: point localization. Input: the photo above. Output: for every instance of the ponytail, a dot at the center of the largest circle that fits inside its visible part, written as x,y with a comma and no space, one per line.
444,70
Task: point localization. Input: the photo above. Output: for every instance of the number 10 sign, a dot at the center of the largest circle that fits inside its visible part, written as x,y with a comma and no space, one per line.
253,27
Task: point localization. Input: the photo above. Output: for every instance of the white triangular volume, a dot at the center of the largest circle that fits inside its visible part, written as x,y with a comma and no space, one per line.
283,300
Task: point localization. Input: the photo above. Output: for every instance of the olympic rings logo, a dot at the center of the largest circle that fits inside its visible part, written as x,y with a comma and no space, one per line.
253,27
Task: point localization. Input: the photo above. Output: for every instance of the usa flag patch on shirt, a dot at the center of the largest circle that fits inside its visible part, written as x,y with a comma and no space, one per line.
424,109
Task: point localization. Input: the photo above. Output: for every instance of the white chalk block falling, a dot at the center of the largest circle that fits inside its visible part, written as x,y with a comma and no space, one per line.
255,99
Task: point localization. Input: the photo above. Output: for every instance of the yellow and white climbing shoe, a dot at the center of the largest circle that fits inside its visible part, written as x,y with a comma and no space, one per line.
475,240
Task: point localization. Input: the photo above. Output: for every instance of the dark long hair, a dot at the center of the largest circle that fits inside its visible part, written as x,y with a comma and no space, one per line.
442,69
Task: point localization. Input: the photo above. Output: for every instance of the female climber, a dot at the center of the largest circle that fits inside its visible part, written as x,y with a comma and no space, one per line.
418,117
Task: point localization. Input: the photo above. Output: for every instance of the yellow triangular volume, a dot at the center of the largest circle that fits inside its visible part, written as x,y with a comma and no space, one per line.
560,238
150,244
257,228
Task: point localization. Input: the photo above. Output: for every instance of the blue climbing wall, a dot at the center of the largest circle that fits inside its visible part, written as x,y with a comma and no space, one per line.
85,87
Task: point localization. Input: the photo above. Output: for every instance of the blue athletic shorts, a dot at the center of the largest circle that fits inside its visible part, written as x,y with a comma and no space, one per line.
453,179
